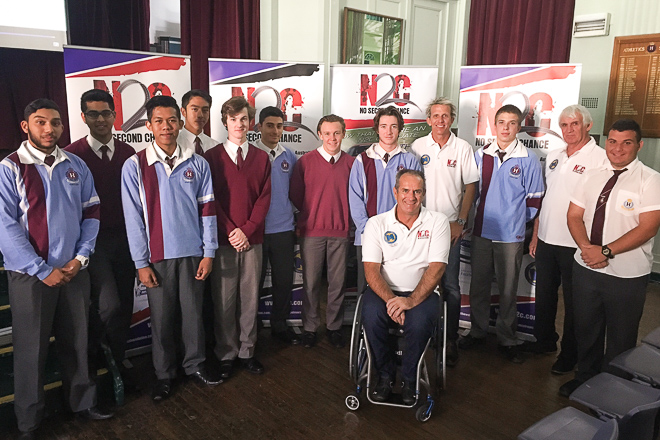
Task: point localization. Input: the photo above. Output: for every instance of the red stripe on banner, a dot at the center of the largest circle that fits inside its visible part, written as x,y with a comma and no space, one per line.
37,213
495,300
152,197
372,184
486,173
207,209
140,315
93,212
141,66
368,123
549,73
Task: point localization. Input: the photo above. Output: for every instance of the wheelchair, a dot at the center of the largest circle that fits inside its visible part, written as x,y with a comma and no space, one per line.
361,365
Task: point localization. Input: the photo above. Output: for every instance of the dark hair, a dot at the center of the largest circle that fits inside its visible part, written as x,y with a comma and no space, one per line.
331,118
509,108
405,171
235,105
193,93
96,95
625,125
38,104
388,111
269,111
161,101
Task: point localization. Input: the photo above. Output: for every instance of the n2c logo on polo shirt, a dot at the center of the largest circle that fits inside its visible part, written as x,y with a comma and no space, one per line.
188,175
423,235
579,169
72,176
451,163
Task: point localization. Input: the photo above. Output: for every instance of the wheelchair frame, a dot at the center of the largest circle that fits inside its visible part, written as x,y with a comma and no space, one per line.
360,367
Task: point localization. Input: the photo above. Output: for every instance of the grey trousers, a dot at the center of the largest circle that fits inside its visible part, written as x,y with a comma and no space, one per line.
503,260
37,311
178,290
112,275
314,252
235,286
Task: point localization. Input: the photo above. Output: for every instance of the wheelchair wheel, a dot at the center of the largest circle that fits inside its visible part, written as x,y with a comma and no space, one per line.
352,401
354,361
424,412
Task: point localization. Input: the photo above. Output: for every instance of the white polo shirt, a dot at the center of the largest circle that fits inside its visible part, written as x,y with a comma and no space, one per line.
636,191
187,140
405,254
562,175
447,169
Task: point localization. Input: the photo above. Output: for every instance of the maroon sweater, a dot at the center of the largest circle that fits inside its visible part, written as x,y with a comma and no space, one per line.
242,196
107,180
320,192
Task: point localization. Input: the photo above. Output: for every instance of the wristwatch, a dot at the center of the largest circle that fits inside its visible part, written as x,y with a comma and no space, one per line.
461,221
84,261
607,252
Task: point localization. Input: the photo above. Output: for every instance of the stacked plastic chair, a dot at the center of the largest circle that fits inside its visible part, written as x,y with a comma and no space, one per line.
570,423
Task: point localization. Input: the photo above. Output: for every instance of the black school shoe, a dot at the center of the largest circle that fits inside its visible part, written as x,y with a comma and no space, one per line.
336,338
383,389
309,339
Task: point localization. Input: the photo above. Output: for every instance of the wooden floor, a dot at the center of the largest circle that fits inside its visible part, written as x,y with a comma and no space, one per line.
301,396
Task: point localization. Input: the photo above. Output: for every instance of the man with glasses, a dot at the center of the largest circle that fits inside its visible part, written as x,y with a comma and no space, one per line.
111,269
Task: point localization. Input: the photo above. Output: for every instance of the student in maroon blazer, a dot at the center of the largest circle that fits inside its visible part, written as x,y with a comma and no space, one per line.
111,268
241,183
319,190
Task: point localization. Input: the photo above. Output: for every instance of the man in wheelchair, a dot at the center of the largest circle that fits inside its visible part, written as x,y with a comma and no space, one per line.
405,252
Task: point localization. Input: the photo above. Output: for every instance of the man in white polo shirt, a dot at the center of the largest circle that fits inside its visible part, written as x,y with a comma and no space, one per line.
613,217
450,170
405,252
552,244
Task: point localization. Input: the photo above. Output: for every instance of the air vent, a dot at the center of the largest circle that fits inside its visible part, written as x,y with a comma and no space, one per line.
590,102
592,25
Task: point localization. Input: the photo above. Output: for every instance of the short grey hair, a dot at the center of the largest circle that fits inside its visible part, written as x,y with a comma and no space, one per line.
441,101
416,173
573,110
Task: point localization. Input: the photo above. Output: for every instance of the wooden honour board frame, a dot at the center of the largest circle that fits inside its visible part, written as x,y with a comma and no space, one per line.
634,90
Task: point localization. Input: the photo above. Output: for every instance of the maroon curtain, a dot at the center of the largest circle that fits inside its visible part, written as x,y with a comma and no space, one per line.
26,75
520,31
218,29
116,24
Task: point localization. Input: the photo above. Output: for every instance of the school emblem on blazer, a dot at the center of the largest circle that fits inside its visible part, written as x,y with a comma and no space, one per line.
426,159
285,166
628,205
553,165
188,175
400,167
390,237
72,176
515,171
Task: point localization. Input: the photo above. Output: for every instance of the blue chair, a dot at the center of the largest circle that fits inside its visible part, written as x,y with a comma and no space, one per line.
634,406
642,362
571,424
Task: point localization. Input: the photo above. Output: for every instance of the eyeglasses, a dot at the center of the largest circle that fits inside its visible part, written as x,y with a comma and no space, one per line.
95,115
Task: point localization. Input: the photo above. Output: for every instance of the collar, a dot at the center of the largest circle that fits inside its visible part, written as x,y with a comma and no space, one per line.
631,166
233,148
96,145
327,155
516,149
392,220
450,142
586,148
156,154
278,149
29,155
189,136
375,151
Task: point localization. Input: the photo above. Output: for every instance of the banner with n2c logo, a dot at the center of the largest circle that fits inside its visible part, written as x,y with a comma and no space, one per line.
132,78
358,91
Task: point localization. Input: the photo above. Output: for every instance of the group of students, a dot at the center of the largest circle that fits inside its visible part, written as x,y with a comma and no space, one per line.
188,208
